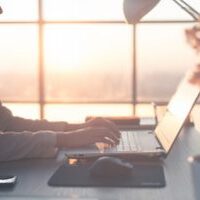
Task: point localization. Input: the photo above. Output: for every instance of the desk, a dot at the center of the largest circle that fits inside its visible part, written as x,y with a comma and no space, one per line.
34,174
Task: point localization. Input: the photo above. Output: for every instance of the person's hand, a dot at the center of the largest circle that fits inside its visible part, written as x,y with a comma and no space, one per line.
95,122
96,130
87,136
104,123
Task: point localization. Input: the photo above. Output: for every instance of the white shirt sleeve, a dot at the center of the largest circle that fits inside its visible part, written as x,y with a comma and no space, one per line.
19,145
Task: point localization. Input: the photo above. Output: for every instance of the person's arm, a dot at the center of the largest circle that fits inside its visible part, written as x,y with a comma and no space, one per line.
44,144
20,145
86,136
8,122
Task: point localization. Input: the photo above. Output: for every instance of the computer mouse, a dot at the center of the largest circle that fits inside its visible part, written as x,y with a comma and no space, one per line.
106,166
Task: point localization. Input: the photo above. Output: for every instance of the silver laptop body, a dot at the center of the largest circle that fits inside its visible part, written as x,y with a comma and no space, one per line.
152,143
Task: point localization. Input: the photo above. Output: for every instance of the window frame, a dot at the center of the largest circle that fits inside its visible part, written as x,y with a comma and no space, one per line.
41,70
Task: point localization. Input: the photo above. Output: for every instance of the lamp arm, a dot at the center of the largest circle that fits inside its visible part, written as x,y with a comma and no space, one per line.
189,9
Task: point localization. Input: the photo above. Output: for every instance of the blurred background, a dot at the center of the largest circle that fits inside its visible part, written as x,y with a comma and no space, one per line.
67,59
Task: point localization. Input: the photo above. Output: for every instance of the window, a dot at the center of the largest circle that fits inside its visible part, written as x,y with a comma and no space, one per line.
162,54
67,59
88,63
86,10
19,62
19,10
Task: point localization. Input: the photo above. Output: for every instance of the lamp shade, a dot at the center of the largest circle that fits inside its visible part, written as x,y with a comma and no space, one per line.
134,10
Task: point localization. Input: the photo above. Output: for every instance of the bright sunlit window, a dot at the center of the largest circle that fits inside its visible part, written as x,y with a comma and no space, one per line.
68,59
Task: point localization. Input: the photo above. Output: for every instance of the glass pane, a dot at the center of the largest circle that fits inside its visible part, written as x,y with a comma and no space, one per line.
163,56
29,111
83,10
14,10
144,110
19,60
78,112
88,62
169,10
194,3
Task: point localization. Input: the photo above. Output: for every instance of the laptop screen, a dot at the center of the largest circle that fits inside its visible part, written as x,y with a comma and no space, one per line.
177,112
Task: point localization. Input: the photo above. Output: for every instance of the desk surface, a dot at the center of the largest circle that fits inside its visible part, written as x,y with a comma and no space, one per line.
34,174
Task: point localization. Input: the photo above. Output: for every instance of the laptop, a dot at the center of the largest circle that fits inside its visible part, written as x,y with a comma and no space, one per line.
151,143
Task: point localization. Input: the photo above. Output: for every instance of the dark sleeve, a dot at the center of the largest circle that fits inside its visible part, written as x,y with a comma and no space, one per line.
8,122
26,144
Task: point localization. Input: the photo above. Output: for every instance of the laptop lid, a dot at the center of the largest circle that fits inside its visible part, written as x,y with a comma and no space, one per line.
177,112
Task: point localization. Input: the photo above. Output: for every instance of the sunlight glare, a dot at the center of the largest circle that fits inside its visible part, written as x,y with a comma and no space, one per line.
83,10
67,51
76,113
19,10
168,10
80,47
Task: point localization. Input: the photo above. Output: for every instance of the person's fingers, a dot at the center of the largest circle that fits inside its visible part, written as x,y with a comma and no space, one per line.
113,127
105,123
104,132
105,140
91,136
87,136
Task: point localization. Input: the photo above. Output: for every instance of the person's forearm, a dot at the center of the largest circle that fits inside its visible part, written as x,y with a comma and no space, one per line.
20,145
21,124
8,122
72,127
64,140
75,138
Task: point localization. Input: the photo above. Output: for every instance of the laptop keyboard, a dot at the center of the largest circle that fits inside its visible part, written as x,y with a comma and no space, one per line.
129,142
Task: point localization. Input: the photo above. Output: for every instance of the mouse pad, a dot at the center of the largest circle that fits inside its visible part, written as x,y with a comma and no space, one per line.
143,175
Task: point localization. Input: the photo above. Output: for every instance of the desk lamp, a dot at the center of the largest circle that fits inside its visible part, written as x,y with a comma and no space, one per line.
134,10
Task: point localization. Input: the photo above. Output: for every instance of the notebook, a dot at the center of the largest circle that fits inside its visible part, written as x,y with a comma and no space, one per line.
151,143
